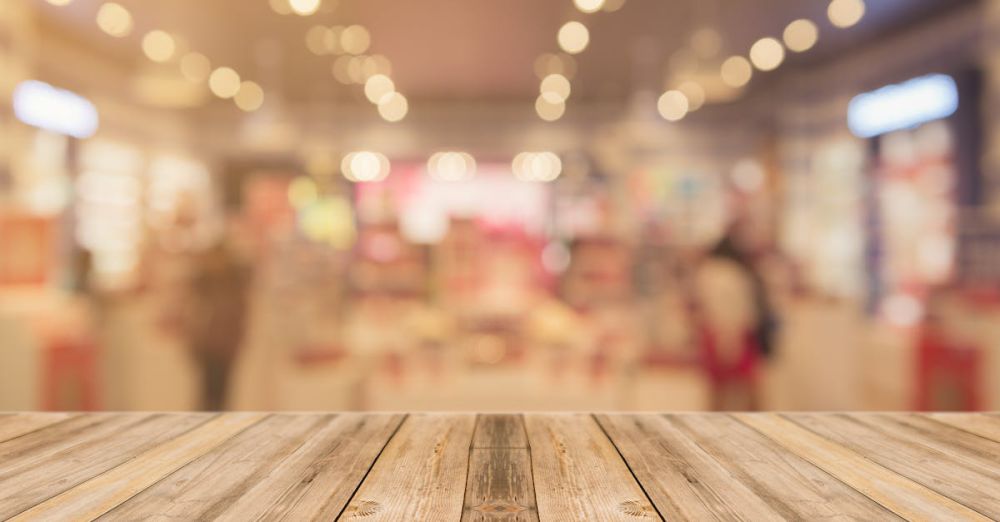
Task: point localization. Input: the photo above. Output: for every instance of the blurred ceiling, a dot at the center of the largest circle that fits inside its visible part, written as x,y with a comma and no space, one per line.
472,50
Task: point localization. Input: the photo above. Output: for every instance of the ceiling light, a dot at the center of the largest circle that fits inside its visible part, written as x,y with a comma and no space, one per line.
589,6
365,166
549,107
845,13
767,54
393,107
355,39
694,93
224,82
451,166
557,86
673,105
304,7
801,35
537,166
736,71
378,87
573,37
195,67
250,96
159,46
114,19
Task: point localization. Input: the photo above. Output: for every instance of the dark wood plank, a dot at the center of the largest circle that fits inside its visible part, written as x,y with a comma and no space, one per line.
899,494
683,481
104,492
793,487
13,425
500,431
317,480
34,480
499,486
421,473
578,473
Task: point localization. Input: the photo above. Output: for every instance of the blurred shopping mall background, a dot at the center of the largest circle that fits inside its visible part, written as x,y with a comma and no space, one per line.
499,205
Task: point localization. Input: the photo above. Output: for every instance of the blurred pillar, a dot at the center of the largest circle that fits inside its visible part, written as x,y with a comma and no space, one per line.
991,107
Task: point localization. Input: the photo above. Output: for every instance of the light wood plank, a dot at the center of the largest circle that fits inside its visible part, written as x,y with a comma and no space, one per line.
45,476
499,486
102,493
793,487
30,449
986,426
207,486
500,431
683,481
14,425
317,480
909,458
901,495
578,473
967,449
421,473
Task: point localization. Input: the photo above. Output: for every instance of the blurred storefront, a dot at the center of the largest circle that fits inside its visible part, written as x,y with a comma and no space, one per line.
531,267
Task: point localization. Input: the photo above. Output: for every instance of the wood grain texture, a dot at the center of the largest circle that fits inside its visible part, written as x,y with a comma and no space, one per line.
579,474
791,486
683,481
500,485
910,458
535,468
29,481
104,492
986,426
14,425
902,496
317,480
421,473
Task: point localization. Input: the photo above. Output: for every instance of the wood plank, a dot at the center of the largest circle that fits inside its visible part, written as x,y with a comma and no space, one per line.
500,431
965,448
16,424
683,481
909,458
793,487
317,480
499,486
578,473
207,486
901,495
421,473
986,426
28,450
102,493
38,479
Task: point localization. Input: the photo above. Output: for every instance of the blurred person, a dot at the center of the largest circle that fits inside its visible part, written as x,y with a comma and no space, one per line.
734,322
219,288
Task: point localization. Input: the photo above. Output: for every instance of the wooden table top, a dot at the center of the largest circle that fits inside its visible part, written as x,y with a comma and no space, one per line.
442,467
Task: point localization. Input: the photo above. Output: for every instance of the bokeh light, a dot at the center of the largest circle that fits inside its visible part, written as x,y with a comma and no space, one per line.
767,54
736,71
801,35
573,37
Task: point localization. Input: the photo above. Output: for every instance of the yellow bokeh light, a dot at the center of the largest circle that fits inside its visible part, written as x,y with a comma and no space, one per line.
589,6
611,6
224,82
302,191
451,166
364,166
304,7
573,37
694,93
355,39
551,63
393,107
317,38
845,13
549,108
378,87
59,2
557,86
673,105
250,96
706,42
159,46
801,35
280,6
195,67
114,19
767,54
537,166
736,71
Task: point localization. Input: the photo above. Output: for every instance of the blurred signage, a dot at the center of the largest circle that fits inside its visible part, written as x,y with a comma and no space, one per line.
902,105
41,105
